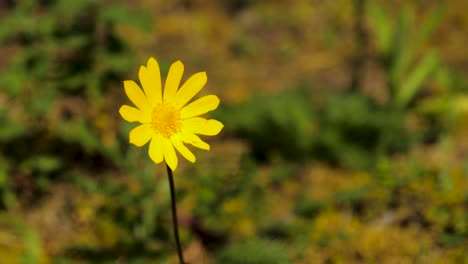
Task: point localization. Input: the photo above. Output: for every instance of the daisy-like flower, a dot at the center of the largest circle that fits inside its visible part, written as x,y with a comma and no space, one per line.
166,118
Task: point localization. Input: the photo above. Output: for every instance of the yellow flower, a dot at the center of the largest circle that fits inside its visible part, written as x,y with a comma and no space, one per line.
166,118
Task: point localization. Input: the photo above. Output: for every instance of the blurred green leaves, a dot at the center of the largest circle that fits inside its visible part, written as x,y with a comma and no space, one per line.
67,54
345,129
416,78
254,252
277,124
55,85
400,47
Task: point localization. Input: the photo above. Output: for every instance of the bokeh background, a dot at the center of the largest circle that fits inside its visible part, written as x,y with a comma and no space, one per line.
345,139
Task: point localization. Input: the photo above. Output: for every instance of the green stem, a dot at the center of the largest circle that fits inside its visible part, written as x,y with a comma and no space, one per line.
174,214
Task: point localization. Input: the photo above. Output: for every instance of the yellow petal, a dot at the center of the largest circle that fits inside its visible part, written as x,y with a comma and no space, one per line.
136,95
194,140
169,154
211,127
141,134
199,125
193,123
200,106
150,78
155,148
190,88
177,142
173,80
131,114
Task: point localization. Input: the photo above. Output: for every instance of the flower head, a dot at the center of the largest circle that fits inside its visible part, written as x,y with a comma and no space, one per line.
166,118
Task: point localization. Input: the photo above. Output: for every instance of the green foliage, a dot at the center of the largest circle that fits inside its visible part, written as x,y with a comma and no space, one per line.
399,44
69,51
221,202
57,87
348,127
344,130
234,6
254,252
308,208
276,124
354,128
416,78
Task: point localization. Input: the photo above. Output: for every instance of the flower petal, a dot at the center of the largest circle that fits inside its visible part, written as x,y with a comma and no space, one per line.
169,154
172,81
194,140
155,150
150,78
177,142
194,123
211,127
200,106
132,114
190,88
141,134
136,95
202,126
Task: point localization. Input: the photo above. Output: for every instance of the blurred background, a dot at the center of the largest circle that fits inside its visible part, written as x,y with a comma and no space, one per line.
345,139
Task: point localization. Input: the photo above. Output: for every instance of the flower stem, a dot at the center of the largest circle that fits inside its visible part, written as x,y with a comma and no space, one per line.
175,224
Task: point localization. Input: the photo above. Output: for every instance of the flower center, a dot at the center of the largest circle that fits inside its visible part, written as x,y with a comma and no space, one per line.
166,120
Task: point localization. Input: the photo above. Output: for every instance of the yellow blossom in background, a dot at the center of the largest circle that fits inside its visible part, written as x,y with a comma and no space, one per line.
166,118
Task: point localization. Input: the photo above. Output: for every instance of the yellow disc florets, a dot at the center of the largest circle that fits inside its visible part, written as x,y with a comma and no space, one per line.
166,120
